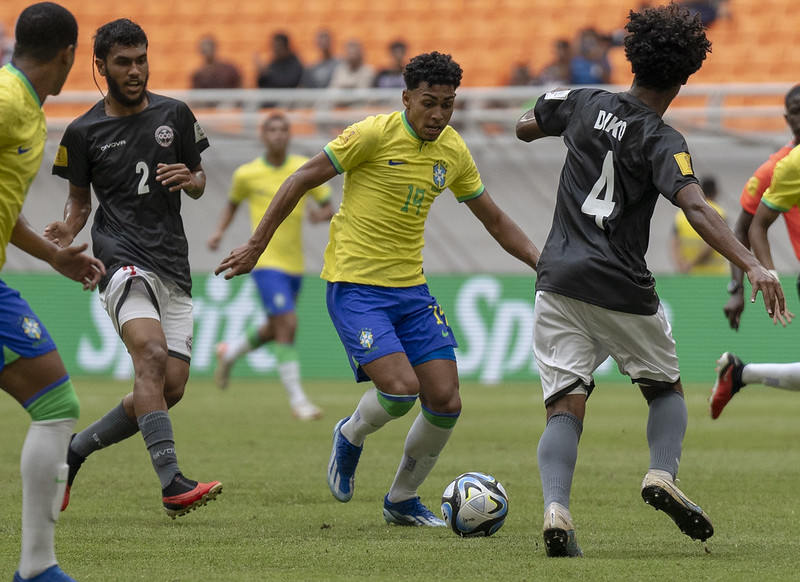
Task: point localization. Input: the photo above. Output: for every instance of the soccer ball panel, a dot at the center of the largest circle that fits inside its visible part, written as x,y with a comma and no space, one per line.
474,504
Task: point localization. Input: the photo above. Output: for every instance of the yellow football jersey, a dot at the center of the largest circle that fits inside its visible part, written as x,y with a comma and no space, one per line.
257,182
23,133
391,178
692,244
784,190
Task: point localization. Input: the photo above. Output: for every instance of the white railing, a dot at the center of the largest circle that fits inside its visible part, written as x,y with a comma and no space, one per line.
709,108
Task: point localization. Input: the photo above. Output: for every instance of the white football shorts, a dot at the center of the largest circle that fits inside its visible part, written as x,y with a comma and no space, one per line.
571,338
135,293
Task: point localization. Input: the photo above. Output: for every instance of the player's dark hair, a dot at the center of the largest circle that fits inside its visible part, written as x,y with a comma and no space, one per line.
42,30
123,32
432,68
665,46
793,93
275,116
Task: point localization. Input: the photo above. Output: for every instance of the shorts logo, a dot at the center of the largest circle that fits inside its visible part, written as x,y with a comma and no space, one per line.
365,338
164,136
189,341
279,300
31,328
439,171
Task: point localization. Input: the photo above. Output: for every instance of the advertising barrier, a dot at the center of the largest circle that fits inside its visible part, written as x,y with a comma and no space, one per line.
491,316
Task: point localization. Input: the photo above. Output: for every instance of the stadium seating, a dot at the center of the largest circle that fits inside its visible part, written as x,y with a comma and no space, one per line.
757,44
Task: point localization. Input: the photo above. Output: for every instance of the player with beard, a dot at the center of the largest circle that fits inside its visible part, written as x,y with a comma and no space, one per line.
138,150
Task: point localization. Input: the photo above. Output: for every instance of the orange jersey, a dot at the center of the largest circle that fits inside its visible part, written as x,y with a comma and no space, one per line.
756,186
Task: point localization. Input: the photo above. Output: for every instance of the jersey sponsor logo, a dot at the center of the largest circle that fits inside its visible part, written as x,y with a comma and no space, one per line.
61,157
439,174
113,144
396,162
560,95
164,136
609,123
684,161
21,150
365,338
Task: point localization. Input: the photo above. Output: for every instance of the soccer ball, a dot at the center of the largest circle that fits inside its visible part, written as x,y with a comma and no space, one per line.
474,504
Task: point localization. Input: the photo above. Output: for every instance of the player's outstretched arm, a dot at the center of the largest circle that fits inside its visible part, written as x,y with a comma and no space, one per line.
76,213
313,173
712,228
71,262
504,230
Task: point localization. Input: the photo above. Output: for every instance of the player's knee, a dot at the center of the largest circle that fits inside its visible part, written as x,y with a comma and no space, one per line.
444,420
150,357
656,391
54,402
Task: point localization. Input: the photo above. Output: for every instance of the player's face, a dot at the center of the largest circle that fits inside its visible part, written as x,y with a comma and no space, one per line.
126,71
275,135
429,109
793,116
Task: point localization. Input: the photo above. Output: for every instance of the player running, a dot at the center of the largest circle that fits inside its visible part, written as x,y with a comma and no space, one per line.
138,150
595,296
394,331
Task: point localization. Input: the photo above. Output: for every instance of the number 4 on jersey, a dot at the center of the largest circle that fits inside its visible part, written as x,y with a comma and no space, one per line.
601,208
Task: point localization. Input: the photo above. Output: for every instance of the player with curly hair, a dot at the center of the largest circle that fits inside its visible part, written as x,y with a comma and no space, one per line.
395,333
595,296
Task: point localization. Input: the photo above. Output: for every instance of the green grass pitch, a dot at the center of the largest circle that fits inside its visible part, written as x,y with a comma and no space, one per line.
276,519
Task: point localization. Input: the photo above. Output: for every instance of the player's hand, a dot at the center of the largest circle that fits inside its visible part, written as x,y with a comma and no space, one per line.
72,262
214,240
59,233
241,260
774,301
177,177
733,309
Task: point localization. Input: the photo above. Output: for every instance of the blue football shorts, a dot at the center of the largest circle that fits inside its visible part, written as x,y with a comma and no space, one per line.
374,321
22,333
278,290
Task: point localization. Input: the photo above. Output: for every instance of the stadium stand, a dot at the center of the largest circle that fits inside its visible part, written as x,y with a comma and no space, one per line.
485,36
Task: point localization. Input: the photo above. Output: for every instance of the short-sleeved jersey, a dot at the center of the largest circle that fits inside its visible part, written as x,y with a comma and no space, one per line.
23,133
784,190
138,221
692,245
391,179
257,182
756,186
620,157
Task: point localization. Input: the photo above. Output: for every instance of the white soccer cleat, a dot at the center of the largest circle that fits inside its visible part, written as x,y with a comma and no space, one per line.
306,411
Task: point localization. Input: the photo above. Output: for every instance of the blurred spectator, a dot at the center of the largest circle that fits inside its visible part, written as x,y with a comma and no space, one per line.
690,253
557,73
214,74
285,70
520,75
590,65
392,76
6,46
709,10
318,75
352,72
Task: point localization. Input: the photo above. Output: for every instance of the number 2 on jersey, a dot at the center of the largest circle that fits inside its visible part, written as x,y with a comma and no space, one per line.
142,168
601,208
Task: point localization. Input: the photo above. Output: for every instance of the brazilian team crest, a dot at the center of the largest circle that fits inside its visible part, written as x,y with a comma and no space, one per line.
365,338
439,171
31,328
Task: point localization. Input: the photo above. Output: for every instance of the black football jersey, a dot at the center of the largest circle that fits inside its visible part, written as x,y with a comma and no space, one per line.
138,221
620,157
